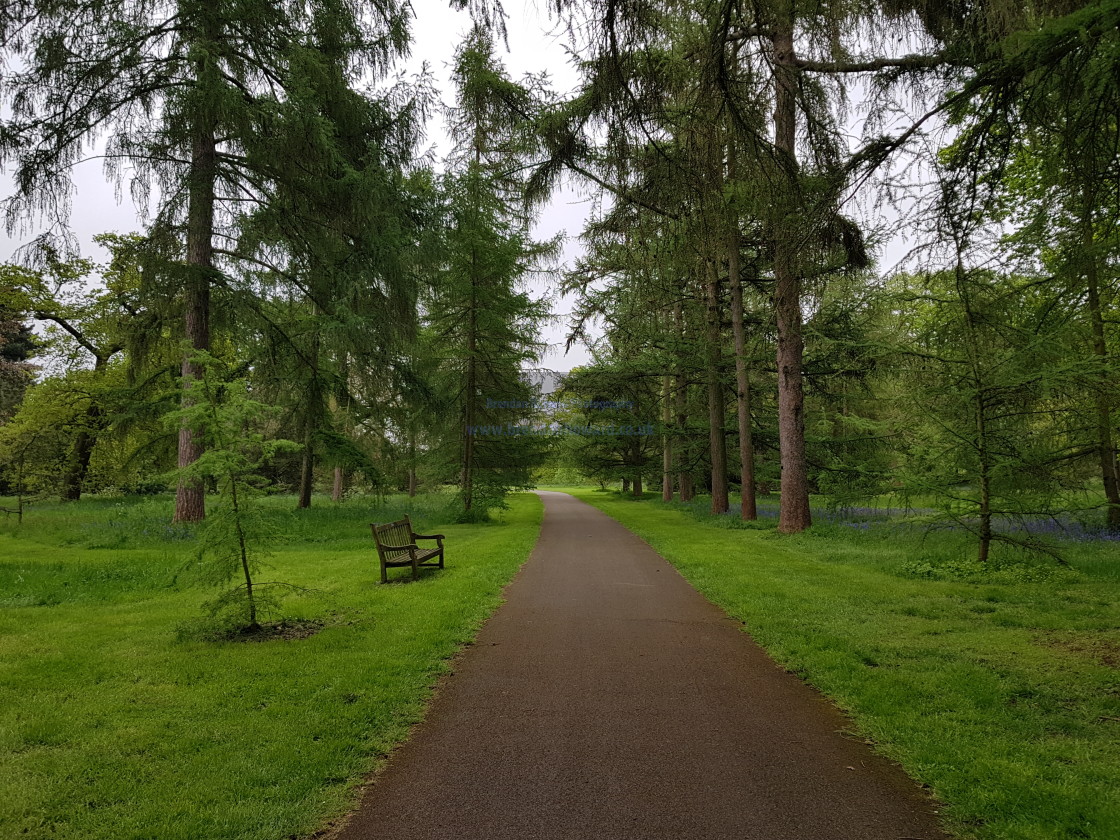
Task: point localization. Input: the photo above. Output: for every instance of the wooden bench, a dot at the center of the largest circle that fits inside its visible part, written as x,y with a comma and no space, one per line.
396,546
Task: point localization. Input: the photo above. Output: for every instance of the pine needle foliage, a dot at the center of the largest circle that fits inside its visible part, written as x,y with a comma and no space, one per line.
483,323
232,541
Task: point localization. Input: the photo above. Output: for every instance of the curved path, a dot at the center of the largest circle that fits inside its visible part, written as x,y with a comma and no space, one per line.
608,700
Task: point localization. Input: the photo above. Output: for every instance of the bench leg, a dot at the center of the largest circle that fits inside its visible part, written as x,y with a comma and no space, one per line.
384,573
415,569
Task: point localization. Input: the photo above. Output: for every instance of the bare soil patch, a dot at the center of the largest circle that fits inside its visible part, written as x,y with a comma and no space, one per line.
1101,647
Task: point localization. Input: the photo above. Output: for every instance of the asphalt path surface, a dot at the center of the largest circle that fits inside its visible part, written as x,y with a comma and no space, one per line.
607,699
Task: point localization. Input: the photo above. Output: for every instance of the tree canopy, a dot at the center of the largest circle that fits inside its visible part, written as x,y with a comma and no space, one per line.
747,329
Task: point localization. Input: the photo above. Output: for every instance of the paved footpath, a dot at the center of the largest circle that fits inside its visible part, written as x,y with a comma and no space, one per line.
608,700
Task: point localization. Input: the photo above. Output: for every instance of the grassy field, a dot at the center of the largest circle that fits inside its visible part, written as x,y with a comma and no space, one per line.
115,724
998,688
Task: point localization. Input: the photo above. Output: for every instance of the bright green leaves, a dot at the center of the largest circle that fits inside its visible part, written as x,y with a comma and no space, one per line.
220,410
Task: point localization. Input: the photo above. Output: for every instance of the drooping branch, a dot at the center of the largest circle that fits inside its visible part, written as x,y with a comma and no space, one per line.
908,62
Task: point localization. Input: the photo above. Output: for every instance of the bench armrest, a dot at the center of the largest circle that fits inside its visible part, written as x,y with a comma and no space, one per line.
427,536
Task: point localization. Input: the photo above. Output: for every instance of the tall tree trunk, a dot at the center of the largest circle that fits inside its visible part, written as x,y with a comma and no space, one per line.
747,505
190,497
470,413
794,515
625,485
338,488
985,476
684,474
311,415
637,485
470,407
1106,448
411,463
716,407
687,489
685,486
980,411
666,440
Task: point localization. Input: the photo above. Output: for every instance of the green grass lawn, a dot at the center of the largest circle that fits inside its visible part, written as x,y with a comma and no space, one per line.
115,725
998,689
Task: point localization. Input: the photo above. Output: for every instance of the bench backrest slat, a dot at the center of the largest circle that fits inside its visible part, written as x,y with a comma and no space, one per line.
393,533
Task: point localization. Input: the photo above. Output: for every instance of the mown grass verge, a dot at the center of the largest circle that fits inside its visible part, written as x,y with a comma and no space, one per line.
115,724
999,690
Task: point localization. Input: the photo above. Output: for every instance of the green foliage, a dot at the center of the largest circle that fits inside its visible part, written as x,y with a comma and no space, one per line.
985,395
848,424
224,414
35,444
482,326
86,69
102,351
607,418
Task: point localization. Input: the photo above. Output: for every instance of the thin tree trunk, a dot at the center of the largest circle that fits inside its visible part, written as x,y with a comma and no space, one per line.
190,497
666,440
980,409
244,551
716,407
794,515
685,487
625,485
21,487
338,488
311,415
307,465
411,464
342,412
684,475
1106,449
471,396
984,453
985,477
747,505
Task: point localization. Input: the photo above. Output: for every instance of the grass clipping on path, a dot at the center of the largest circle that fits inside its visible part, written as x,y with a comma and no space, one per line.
113,727
1003,698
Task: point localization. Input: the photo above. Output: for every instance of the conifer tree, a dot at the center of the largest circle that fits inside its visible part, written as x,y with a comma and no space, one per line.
483,322
183,95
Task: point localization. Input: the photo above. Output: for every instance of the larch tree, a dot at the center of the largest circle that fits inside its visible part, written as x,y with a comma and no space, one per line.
180,96
483,320
1039,134
735,56
338,237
